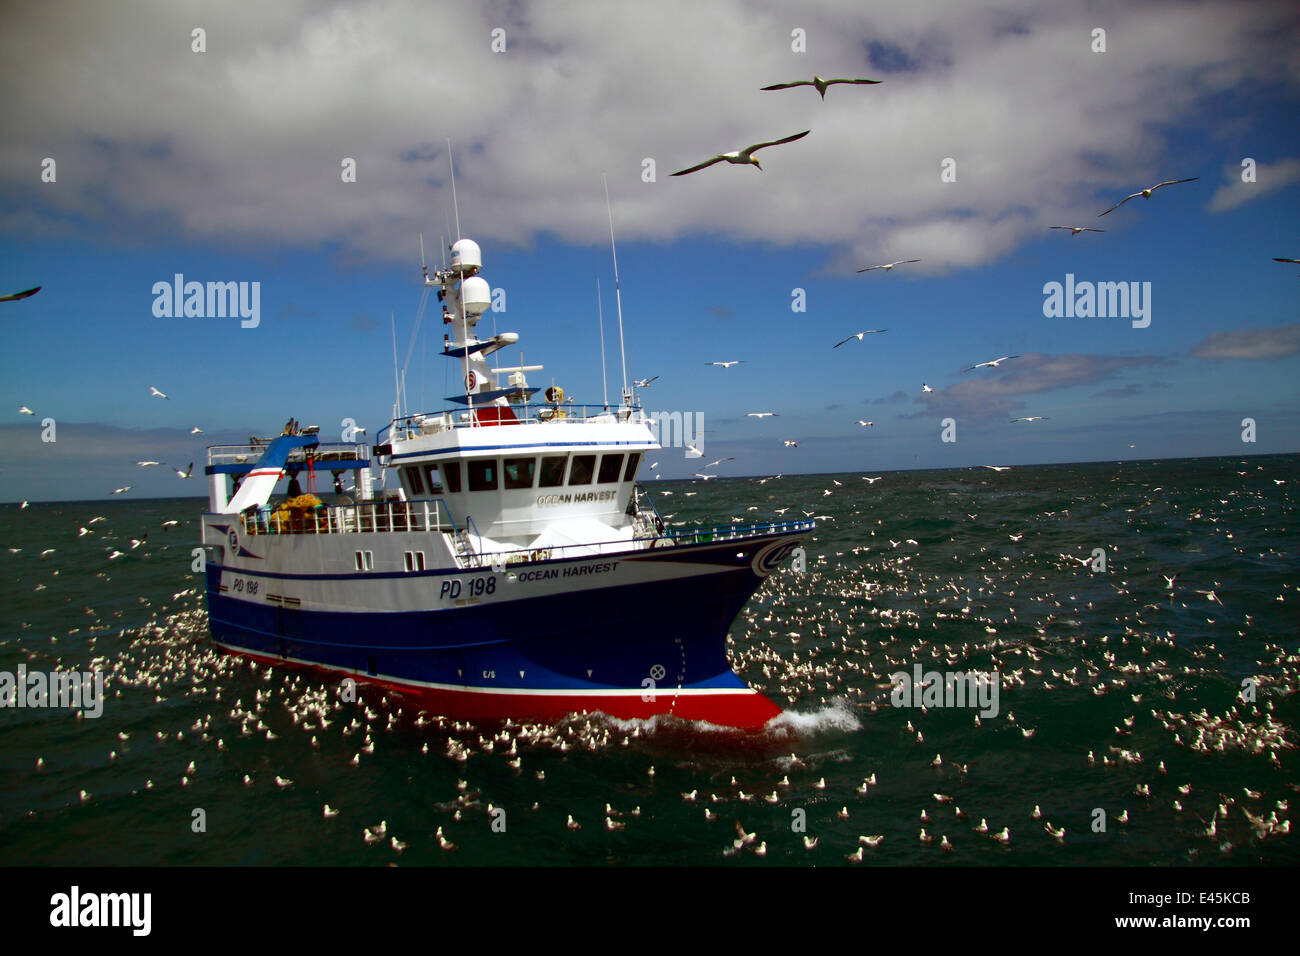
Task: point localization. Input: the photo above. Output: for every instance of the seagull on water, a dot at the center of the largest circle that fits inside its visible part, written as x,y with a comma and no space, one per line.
991,364
818,84
887,266
1146,193
1075,230
859,336
741,157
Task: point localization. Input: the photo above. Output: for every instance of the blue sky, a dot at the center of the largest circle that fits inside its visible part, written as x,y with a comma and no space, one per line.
224,166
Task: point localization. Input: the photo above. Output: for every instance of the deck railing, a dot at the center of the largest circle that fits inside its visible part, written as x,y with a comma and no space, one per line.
526,413
370,517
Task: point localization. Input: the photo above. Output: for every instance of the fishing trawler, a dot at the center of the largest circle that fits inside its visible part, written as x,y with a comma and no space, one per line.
517,569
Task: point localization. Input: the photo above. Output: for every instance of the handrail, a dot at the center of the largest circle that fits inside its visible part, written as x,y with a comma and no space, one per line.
360,518
325,451
571,413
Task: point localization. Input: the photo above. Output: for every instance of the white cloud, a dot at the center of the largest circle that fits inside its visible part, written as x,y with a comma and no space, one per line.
244,142
1268,178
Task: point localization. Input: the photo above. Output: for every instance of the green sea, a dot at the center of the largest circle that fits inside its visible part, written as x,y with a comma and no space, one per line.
1147,708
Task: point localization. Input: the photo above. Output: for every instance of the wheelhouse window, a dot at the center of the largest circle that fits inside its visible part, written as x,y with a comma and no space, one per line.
433,479
451,476
610,466
482,474
552,474
519,472
413,482
632,461
583,467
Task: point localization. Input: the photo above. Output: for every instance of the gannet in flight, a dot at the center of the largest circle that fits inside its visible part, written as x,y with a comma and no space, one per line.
744,156
993,364
1146,193
858,335
889,265
819,84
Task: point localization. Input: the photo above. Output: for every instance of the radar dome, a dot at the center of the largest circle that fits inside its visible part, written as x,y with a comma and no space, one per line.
476,294
465,256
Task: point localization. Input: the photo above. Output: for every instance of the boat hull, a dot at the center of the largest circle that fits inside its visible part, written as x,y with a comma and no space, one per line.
652,643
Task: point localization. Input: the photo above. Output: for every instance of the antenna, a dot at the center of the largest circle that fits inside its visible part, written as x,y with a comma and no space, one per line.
600,317
455,204
397,388
618,295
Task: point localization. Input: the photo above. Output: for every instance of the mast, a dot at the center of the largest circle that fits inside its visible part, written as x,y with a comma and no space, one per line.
618,295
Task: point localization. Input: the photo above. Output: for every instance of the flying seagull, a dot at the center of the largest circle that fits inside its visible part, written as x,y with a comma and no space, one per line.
1075,230
15,296
997,467
186,473
705,477
789,443
819,84
155,392
24,410
926,388
643,382
993,364
718,462
865,424
889,265
1146,193
196,430
727,364
859,336
761,414
742,156
1031,418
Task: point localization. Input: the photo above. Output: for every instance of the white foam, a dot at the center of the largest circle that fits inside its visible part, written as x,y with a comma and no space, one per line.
837,715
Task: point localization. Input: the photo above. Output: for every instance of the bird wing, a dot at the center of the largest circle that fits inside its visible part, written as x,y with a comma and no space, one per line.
1174,182
902,262
703,165
1276,259
15,296
1118,204
855,82
869,268
857,336
777,142
786,86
